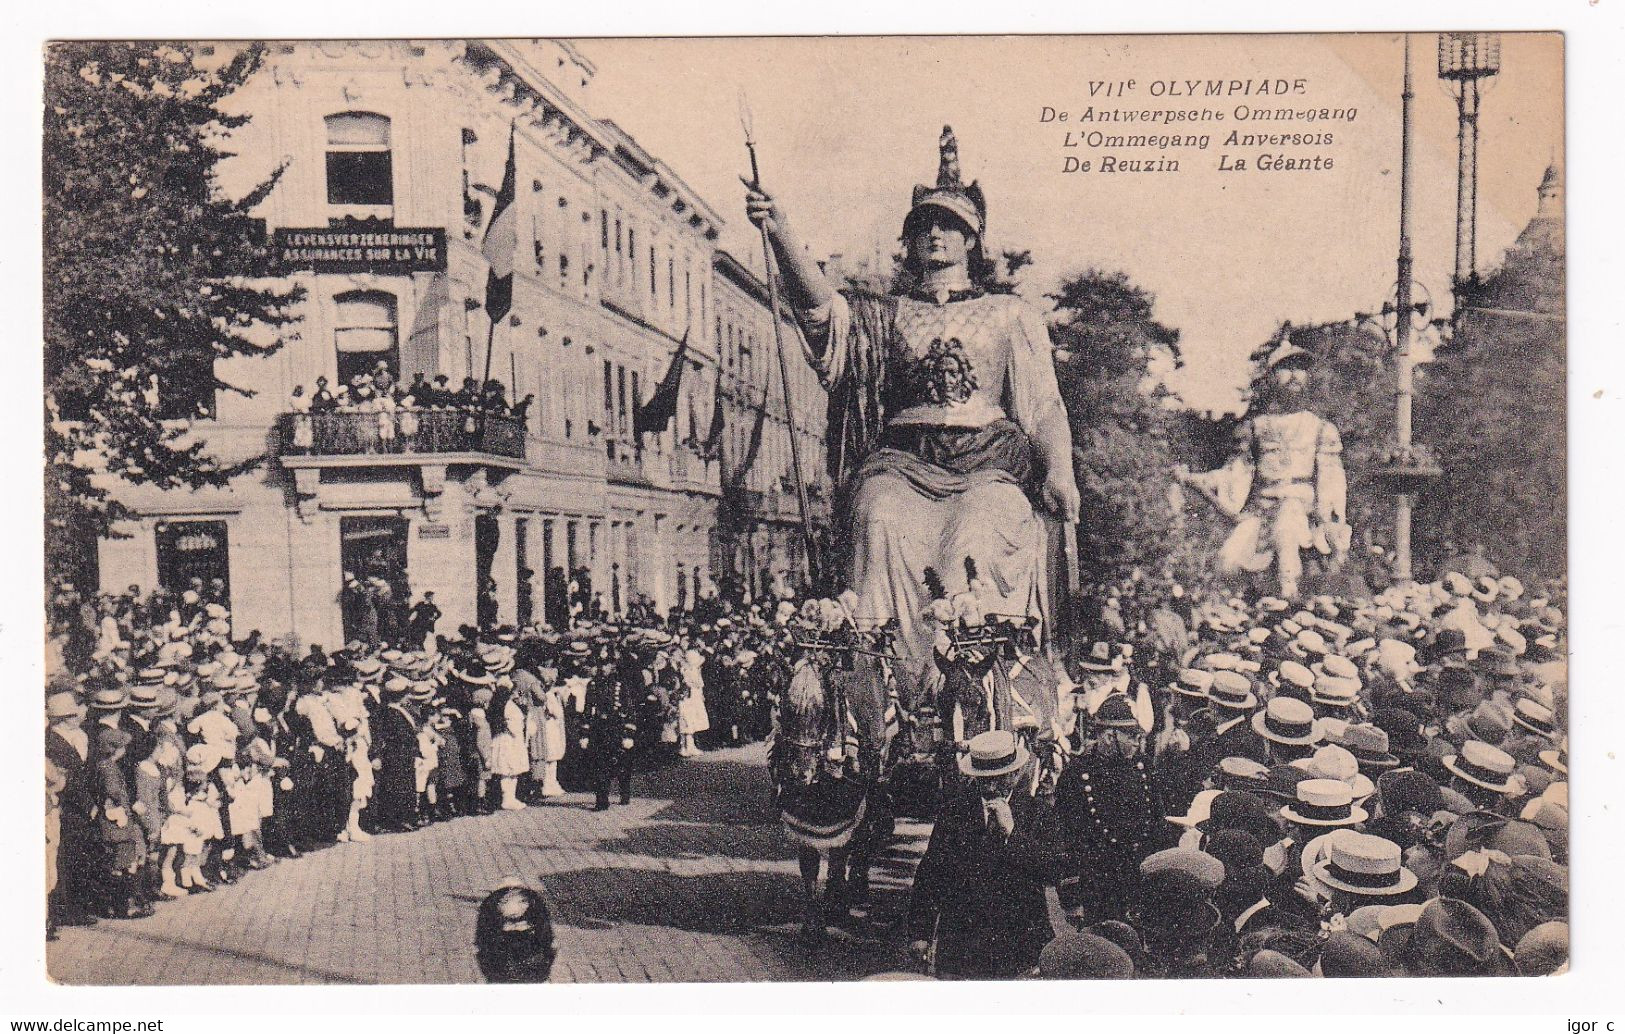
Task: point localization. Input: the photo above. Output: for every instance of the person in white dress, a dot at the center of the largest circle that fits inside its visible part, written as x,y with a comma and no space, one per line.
509,758
692,718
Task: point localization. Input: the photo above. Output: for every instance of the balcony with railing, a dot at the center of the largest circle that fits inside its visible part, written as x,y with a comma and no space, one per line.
401,437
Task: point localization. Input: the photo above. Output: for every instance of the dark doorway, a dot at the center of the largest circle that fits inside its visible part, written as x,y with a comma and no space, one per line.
487,535
194,555
376,593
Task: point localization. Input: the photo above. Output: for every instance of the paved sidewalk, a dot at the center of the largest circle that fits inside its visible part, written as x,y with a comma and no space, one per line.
694,881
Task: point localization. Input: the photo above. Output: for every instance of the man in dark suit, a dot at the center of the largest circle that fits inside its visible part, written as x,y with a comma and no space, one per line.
395,743
978,908
67,745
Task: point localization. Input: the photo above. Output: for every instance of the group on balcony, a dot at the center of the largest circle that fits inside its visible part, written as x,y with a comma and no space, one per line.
376,413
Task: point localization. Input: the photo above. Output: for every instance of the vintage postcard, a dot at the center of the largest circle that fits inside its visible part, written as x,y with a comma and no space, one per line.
789,509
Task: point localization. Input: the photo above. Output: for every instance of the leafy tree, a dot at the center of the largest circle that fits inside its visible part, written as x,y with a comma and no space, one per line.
151,276
1494,410
1107,339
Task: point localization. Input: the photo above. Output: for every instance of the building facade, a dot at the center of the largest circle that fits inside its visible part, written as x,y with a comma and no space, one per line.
392,156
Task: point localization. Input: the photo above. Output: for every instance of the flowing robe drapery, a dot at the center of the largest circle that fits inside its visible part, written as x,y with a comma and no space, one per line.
933,410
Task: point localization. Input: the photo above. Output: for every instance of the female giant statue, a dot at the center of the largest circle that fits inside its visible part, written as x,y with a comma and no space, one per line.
947,436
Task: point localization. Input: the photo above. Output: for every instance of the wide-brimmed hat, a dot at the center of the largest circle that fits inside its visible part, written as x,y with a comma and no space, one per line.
994,753
108,699
1232,690
1404,729
1369,745
1241,773
1483,765
1366,865
1334,762
1536,717
1193,682
1102,658
473,673
1335,691
1286,353
1325,802
1198,812
1239,809
1293,674
1308,643
1452,938
1288,721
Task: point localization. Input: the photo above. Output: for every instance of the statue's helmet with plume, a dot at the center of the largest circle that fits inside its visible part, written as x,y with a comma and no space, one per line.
964,203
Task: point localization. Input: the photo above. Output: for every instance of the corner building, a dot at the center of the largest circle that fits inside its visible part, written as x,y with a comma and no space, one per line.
393,153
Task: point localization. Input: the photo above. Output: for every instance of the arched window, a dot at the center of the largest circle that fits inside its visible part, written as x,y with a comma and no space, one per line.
359,171
364,334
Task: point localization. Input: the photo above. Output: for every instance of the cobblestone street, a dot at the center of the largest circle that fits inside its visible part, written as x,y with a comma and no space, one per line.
694,881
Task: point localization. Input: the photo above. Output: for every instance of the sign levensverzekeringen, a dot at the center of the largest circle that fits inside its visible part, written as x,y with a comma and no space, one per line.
361,249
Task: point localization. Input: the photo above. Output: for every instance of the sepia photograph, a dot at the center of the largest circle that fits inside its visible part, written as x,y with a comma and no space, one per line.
804,508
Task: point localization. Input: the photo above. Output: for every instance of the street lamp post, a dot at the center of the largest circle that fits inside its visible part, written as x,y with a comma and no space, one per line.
1408,467
1465,60
1402,331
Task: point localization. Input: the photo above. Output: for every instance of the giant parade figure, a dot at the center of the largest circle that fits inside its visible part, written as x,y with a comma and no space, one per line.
952,456
1285,486
947,436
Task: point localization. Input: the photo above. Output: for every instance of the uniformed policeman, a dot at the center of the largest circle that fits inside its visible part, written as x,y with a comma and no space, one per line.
612,729
1107,806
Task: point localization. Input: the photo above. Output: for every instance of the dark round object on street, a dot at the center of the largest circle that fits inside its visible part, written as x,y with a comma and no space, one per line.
513,937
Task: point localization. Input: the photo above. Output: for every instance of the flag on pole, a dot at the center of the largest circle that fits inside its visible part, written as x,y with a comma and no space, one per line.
501,240
655,414
712,449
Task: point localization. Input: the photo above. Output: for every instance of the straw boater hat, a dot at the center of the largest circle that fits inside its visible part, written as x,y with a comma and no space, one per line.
110,699
1535,717
1365,865
1334,762
1242,773
1292,673
1287,721
1483,765
1232,690
1193,682
1335,690
995,753
59,706
1556,760
1325,802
